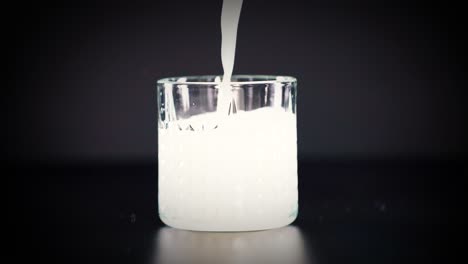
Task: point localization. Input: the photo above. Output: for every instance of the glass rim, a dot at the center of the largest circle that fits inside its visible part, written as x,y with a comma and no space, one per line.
262,79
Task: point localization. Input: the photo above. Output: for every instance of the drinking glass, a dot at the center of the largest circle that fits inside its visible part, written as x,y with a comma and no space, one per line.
227,167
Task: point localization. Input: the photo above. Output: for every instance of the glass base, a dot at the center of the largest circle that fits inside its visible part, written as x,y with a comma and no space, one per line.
219,227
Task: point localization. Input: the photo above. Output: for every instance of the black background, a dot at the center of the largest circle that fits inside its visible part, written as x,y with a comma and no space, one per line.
374,79
380,120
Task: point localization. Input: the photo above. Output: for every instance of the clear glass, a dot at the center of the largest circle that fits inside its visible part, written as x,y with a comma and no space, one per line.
227,172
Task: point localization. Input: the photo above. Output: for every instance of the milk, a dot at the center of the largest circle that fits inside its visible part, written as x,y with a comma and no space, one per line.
241,176
230,14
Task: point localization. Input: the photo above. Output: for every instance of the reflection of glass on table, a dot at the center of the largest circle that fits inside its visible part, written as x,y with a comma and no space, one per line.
283,245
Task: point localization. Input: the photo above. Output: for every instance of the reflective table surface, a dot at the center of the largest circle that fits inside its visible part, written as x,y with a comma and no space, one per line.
386,211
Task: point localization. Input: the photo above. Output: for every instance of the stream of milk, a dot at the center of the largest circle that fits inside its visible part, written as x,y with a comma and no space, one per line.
230,14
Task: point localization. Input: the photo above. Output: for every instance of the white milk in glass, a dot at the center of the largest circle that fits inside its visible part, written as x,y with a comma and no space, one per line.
241,176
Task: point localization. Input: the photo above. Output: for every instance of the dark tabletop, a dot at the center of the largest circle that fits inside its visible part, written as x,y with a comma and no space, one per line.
380,211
